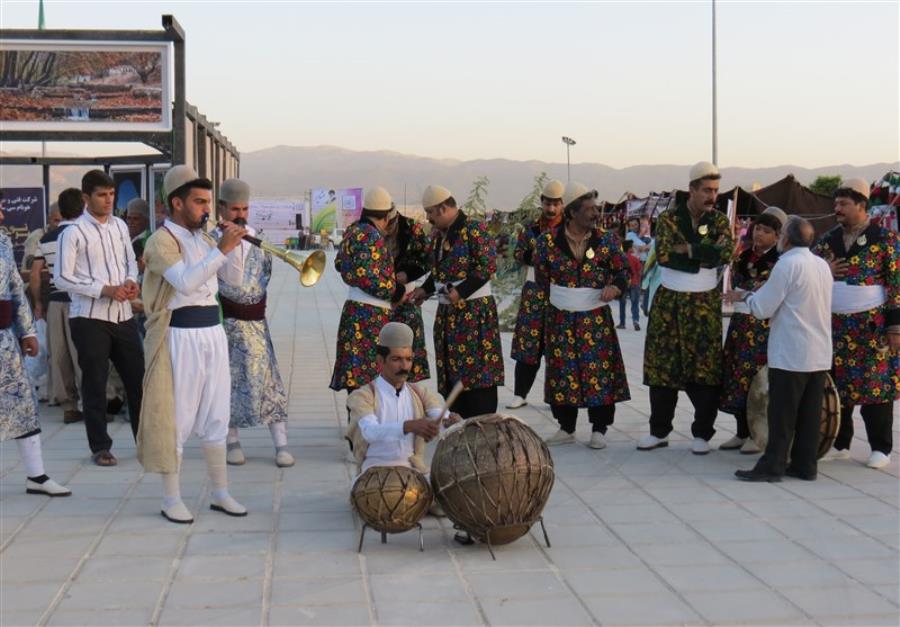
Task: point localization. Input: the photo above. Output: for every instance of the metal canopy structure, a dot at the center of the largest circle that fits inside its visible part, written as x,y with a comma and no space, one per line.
193,139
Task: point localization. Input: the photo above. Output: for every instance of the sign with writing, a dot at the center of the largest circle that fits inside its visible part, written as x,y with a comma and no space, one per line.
23,212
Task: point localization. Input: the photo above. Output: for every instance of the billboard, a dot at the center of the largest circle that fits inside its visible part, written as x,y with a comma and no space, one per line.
80,86
23,212
275,220
334,208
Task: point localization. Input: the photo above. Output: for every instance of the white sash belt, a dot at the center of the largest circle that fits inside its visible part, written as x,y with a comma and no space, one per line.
679,281
742,308
529,275
358,295
851,299
576,298
443,299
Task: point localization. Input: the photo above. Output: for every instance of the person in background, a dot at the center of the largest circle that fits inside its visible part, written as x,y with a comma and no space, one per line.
634,288
34,238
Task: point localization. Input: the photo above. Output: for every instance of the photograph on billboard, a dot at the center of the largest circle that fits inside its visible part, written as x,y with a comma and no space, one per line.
84,86
129,185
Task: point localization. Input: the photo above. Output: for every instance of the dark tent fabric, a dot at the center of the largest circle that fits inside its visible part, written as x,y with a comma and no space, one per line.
747,203
796,199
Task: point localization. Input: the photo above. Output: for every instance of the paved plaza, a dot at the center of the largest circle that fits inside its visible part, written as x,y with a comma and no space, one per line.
638,538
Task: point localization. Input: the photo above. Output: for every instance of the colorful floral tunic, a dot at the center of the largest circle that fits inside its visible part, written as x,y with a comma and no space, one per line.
467,333
582,355
410,249
257,392
18,400
364,261
748,337
684,334
528,336
865,370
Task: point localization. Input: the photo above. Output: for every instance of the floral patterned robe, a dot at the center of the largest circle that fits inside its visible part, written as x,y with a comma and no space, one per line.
528,336
410,250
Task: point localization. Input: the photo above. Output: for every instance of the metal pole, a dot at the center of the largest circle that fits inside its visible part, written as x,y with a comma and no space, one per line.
568,166
715,130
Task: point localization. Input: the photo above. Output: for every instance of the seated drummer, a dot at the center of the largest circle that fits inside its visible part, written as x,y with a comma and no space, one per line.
392,420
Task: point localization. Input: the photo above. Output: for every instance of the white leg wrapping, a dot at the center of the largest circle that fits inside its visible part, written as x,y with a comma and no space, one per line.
30,451
216,467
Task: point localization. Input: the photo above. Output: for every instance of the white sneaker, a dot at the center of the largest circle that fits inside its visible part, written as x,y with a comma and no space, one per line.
700,447
178,513
597,440
650,442
750,447
227,506
235,455
284,459
560,437
878,460
732,444
836,454
48,488
516,402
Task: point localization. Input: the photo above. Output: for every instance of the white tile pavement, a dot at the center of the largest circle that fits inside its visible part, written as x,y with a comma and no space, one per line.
638,538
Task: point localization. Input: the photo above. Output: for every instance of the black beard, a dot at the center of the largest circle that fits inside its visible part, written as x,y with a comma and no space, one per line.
240,221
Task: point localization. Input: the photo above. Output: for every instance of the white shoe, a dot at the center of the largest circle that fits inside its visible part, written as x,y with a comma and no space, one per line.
560,437
836,454
235,455
48,488
516,402
750,447
227,506
878,460
436,510
700,447
284,459
597,440
178,513
733,444
650,442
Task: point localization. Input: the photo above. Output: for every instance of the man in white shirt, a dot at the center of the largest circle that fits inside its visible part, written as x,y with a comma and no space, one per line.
797,301
188,383
96,266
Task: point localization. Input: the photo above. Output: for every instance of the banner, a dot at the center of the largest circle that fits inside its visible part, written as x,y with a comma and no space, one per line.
275,220
334,208
23,212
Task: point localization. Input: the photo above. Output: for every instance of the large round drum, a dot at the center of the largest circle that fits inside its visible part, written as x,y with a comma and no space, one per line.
492,474
758,415
391,499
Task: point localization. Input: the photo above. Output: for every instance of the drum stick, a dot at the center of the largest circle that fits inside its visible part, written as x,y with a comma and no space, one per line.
451,398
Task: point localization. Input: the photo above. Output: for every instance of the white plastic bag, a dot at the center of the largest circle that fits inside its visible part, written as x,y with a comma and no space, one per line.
38,367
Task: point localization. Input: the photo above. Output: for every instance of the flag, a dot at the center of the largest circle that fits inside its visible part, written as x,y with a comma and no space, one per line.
41,25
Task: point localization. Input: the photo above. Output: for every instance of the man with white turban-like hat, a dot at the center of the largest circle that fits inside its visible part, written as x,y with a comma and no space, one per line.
257,392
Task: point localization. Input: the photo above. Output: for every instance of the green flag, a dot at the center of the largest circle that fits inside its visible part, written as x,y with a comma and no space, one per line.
41,15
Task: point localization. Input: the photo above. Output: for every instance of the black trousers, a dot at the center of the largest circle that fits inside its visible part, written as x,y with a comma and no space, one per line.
879,420
98,342
476,402
705,399
795,412
525,376
567,415
743,428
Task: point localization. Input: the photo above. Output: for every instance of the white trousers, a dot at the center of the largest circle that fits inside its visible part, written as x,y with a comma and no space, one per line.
201,383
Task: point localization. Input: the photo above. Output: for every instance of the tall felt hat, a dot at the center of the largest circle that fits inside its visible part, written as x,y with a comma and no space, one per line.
434,195
703,169
137,205
858,185
178,177
575,190
378,199
778,212
234,191
553,190
395,335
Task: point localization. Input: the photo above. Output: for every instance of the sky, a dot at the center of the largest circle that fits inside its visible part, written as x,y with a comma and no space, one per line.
801,83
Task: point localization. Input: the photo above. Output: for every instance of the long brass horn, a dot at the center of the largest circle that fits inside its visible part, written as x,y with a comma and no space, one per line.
310,265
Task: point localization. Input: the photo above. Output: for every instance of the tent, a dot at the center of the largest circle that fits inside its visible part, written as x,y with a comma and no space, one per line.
796,199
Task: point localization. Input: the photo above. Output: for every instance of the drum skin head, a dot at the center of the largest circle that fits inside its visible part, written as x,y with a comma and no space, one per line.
391,499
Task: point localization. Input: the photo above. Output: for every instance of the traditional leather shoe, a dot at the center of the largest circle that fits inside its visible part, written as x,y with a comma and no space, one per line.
235,455
436,510
750,447
48,488
700,447
637,327
72,415
284,459
516,403
597,440
104,458
732,444
650,442
178,513
560,437
878,460
790,472
227,506
836,454
756,475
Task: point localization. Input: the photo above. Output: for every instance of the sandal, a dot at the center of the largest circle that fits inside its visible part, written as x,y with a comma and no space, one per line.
104,458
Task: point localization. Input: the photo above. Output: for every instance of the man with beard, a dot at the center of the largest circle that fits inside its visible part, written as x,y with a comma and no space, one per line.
528,336
683,350
466,327
865,323
257,392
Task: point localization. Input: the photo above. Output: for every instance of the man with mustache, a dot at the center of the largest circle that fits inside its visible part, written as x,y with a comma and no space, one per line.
865,323
683,350
528,336
257,392
187,388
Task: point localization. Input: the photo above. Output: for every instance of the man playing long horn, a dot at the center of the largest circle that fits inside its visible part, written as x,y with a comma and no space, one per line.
257,392
528,336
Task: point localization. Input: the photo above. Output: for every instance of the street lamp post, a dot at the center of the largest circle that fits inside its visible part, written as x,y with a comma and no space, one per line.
568,141
715,106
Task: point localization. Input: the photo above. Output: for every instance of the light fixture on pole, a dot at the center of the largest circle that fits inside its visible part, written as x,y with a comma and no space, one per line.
568,141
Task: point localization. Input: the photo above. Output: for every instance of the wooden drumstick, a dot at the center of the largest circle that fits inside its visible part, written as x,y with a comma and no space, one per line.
451,398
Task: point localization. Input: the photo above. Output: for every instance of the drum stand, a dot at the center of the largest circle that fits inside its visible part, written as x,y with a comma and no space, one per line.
487,539
362,537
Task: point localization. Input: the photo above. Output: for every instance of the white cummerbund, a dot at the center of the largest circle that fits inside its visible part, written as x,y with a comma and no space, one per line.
741,307
851,299
576,298
529,275
679,281
358,295
481,292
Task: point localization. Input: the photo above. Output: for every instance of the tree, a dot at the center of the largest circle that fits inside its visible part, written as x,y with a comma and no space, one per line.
825,184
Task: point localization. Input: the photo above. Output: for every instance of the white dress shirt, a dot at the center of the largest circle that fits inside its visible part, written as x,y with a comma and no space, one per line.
90,256
797,301
388,445
195,277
